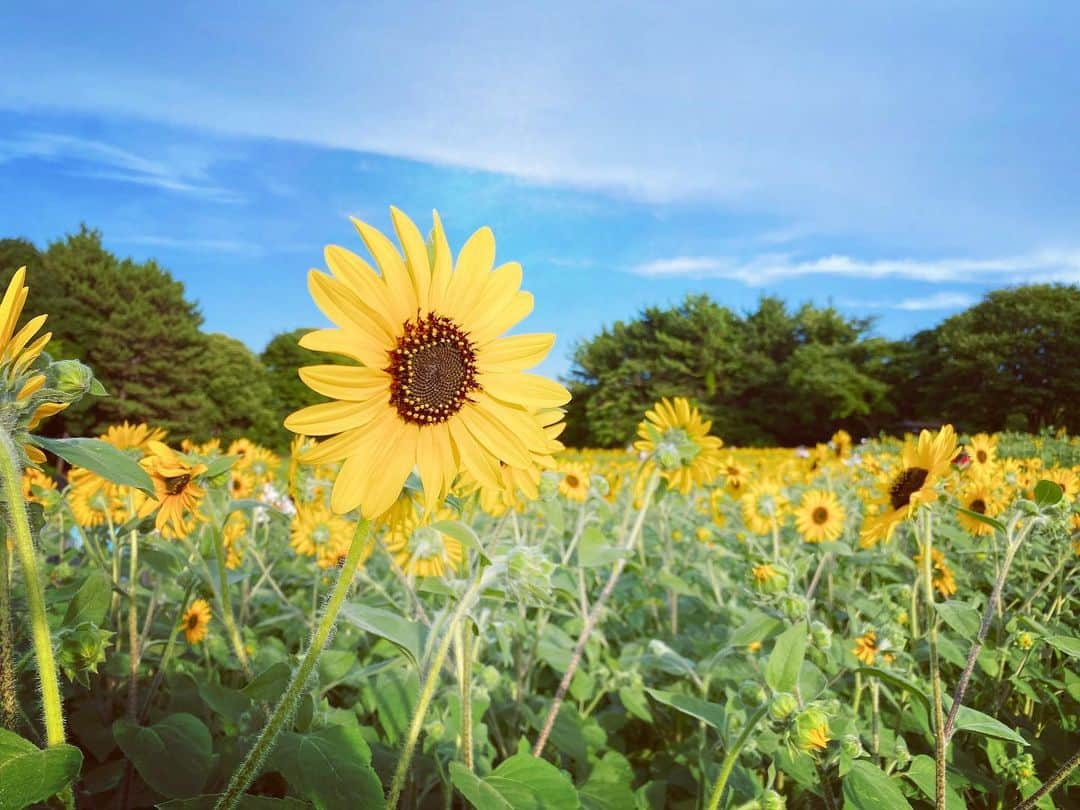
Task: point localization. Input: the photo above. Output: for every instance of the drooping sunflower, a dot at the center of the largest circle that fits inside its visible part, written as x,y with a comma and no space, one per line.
574,483
436,386
819,516
196,621
676,439
317,532
420,549
923,463
176,495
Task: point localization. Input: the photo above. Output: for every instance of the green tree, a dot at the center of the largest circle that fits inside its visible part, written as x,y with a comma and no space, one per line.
16,253
242,400
1014,356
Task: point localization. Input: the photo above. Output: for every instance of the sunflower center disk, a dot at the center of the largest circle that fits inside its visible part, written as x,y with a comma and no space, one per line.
906,484
432,370
820,516
978,505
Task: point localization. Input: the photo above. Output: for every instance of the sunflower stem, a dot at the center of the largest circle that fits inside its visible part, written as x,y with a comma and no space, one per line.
430,684
465,649
253,762
594,616
226,602
9,706
927,533
731,757
133,627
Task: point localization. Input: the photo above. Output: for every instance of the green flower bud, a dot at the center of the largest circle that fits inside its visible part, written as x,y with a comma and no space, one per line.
80,650
528,574
851,745
771,800
71,377
489,677
782,706
752,694
793,607
901,753
821,634
812,730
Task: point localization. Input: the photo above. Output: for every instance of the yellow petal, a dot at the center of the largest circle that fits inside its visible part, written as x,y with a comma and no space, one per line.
480,464
442,263
342,306
470,274
495,436
403,303
30,354
500,321
387,477
327,418
497,292
531,391
362,279
416,256
352,383
350,486
347,344
515,353
22,337
10,306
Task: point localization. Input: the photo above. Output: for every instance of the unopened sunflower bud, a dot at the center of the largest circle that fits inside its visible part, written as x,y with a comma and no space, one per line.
771,800
489,677
71,377
793,607
901,753
783,705
821,634
812,730
81,649
851,745
528,574
752,694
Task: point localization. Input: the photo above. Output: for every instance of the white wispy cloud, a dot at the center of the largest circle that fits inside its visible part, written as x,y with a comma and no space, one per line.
925,303
1037,266
233,246
95,159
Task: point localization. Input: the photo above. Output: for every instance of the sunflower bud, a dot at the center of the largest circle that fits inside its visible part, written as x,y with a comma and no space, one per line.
821,634
900,752
752,694
71,377
528,574
80,650
783,705
771,800
812,730
793,606
851,746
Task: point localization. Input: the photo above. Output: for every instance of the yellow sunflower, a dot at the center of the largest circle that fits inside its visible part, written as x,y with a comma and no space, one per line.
259,464
763,507
574,483
317,532
735,476
127,436
678,444
923,463
943,580
983,450
196,621
420,549
436,386
819,517
92,499
866,648
979,496
176,495
36,485
232,533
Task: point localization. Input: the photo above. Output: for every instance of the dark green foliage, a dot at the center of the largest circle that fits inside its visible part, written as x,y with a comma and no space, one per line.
239,388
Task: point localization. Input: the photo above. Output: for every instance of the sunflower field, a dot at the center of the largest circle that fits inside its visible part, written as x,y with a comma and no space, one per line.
430,602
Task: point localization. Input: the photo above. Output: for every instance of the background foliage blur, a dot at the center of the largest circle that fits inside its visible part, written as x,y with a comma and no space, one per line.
771,376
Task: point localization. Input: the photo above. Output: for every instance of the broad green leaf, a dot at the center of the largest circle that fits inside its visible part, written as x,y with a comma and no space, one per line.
529,783
101,458
410,637
922,774
785,661
979,516
596,549
464,534
964,619
173,756
229,703
220,465
968,719
91,600
479,793
608,786
867,787
758,626
1047,493
330,767
270,683
711,713
1067,644
30,775
633,698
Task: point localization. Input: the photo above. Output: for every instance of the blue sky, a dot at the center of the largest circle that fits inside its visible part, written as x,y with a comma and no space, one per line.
896,161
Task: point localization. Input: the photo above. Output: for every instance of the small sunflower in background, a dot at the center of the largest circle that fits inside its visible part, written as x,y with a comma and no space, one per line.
436,385
37,485
924,462
176,495
983,450
819,517
764,507
420,549
127,436
735,476
196,621
979,496
942,576
866,648
574,483
676,439
317,532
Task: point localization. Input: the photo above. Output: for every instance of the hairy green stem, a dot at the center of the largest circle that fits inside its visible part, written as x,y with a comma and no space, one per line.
1048,786
9,705
226,602
133,627
731,757
465,647
249,768
935,672
428,689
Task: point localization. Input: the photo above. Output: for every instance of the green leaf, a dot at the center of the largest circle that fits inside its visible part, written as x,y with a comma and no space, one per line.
1067,644
526,782
633,698
1047,493
867,787
711,713
479,793
409,637
757,626
91,600
785,661
270,683
330,767
173,756
894,680
979,516
101,458
29,775
595,549
464,534
964,619
922,774
220,465
967,719
608,786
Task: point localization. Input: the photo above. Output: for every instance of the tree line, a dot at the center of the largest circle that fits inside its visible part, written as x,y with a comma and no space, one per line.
777,376
770,376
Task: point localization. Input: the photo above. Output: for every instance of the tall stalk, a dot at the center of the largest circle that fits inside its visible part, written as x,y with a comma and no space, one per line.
926,530
48,680
253,762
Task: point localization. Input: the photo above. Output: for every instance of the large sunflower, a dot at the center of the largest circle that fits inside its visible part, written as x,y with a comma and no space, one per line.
923,463
436,386
819,517
677,440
